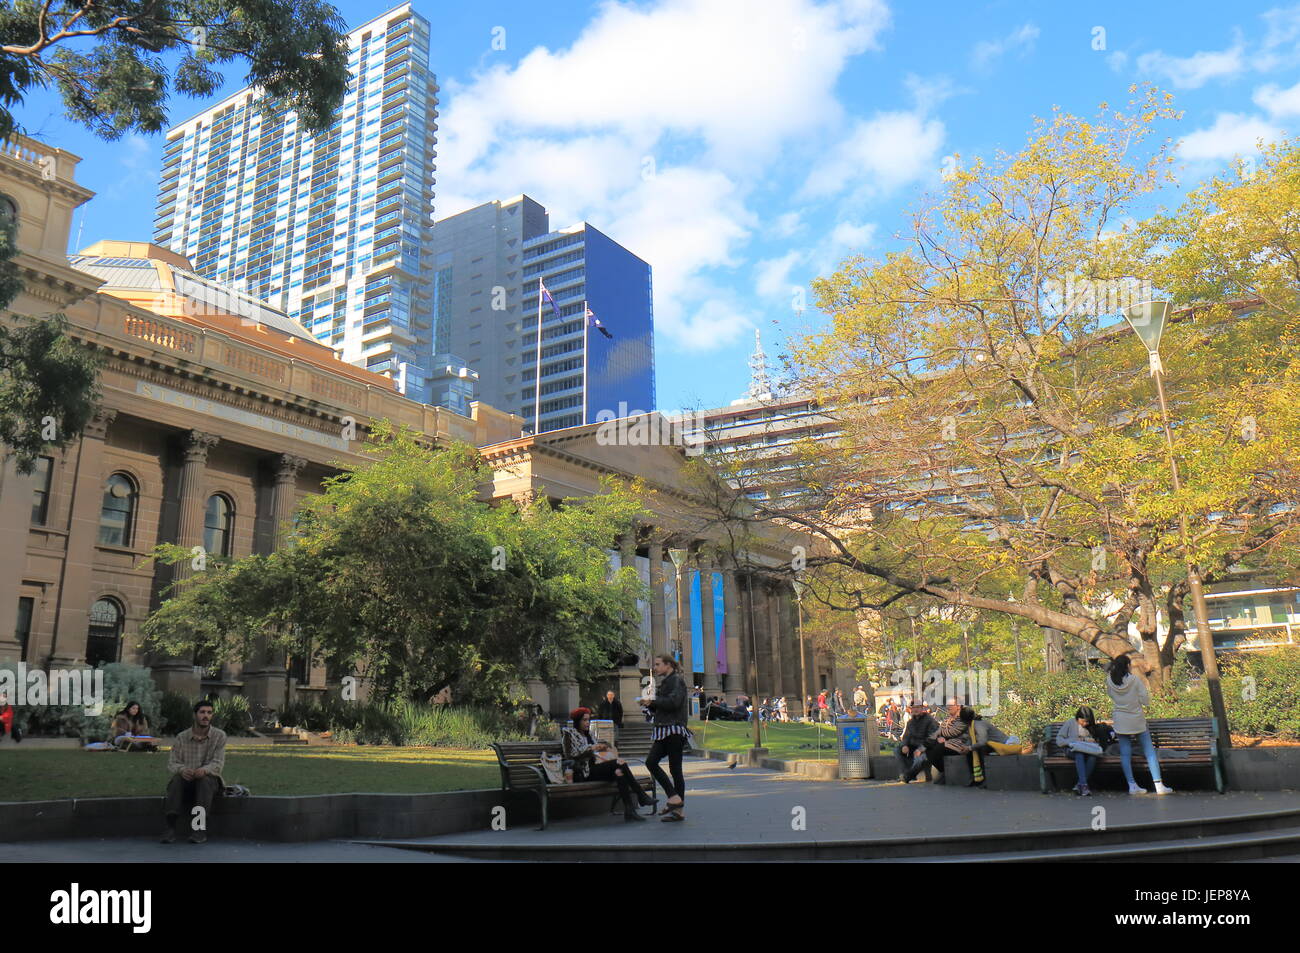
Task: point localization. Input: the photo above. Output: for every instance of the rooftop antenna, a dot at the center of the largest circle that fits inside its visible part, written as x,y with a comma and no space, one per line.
760,387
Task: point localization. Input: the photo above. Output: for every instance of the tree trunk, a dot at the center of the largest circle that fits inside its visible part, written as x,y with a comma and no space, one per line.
1153,659
1053,650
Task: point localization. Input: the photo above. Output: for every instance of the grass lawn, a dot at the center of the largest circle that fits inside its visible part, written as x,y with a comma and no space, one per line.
792,741
42,774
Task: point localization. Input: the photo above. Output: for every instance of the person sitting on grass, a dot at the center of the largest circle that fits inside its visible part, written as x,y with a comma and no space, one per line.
197,758
921,727
130,730
1086,739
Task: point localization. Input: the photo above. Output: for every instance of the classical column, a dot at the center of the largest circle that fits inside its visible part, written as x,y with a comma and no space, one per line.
285,495
735,681
72,625
790,663
658,627
685,625
711,683
177,674
774,635
265,677
629,676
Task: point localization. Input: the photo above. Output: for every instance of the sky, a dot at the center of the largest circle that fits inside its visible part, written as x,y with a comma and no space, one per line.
744,148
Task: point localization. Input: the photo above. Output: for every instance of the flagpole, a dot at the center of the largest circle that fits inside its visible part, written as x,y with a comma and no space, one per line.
586,336
537,388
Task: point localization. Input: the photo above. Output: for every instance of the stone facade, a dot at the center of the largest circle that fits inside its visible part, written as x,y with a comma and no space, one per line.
197,405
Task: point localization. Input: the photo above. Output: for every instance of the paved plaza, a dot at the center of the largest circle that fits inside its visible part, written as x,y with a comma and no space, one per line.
724,807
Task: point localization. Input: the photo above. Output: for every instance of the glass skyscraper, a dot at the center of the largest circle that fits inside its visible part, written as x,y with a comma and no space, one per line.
330,228
487,263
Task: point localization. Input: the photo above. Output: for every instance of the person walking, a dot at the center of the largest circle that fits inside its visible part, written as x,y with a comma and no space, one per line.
1128,695
669,736
822,706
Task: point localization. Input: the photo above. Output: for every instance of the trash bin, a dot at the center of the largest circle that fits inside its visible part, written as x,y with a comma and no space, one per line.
602,729
854,747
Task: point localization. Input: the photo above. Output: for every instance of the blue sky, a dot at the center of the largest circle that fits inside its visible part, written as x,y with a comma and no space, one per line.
742,147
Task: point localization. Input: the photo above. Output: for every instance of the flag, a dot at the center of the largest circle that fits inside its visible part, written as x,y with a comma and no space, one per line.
593,321
546,295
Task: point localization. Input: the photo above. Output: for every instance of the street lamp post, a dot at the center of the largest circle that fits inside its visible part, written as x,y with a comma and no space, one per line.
678,556
1148,319
799,588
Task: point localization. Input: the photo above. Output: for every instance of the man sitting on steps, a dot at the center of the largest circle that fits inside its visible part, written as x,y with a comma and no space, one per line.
197,759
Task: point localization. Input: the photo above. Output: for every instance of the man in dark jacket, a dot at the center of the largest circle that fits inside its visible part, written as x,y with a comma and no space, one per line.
920,729
611,709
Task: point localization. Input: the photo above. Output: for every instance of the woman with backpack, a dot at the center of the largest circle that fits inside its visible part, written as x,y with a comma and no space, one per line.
1129,694
1087,740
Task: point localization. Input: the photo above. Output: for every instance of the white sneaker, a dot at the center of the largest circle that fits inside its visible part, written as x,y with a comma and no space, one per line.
1161,789
1136,789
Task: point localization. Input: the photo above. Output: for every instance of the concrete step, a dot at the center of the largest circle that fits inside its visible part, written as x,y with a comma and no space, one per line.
1242,837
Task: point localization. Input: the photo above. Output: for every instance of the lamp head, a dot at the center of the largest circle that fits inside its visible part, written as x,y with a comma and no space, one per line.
1147,319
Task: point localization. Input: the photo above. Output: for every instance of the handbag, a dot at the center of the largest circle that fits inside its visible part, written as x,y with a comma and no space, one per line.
1085,747
553,768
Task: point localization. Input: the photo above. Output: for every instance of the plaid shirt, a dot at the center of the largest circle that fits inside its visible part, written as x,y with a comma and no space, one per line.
189,752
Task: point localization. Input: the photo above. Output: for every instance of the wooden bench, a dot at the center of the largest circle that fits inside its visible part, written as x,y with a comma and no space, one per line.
521,770
1196,738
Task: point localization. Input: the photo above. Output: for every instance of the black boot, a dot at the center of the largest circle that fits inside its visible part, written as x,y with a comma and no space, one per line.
630,812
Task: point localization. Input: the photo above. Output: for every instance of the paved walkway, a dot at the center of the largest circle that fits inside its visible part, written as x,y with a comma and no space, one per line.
730,806
725,806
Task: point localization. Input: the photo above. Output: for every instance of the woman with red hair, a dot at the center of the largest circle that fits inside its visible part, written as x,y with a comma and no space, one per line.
594,760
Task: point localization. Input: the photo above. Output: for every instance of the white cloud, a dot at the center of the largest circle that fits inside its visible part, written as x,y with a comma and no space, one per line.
773,279
1117,61
880,153
786,225
987,51
675,83
1231,135
929,92
1278,102
1192,72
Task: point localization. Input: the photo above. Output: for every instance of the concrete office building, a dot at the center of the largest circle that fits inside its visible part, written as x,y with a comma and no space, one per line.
487,262
330,228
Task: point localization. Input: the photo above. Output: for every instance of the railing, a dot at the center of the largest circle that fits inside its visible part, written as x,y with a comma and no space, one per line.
253,363
156,332
17,150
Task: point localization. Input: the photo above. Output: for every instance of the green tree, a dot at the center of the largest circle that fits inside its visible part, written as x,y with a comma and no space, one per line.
1000,430
400,570
48,387
107,59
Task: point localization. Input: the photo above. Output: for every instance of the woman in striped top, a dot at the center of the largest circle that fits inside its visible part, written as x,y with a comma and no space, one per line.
669,735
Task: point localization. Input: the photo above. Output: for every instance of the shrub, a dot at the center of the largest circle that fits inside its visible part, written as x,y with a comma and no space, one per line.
407,723
122,682
1268,706
177,713
232,716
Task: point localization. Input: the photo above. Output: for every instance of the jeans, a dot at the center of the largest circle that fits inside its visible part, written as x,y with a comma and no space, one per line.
1126,755
1084,765
672,747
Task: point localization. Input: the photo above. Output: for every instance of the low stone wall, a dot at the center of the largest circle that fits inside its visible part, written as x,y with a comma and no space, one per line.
304,818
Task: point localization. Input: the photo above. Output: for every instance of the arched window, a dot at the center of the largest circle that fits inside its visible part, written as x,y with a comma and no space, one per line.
8,215
104,642
118,512
218,525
